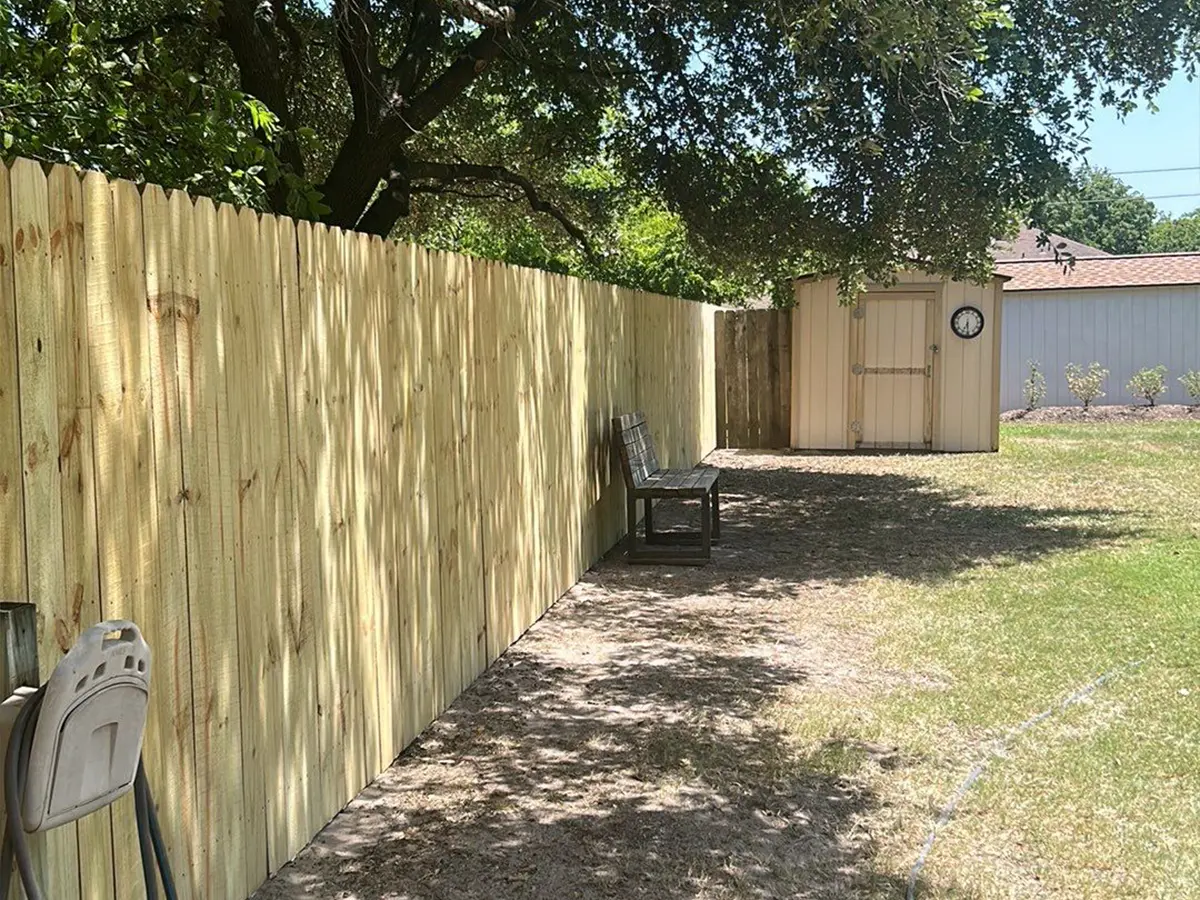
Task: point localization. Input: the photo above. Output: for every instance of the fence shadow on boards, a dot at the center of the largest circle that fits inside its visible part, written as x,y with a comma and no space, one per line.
754,378
331,477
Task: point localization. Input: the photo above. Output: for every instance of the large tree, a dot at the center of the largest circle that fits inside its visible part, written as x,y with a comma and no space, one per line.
1099,209
1178,235
847,134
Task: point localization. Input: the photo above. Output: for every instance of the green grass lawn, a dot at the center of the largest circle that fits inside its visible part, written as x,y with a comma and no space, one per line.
1103,798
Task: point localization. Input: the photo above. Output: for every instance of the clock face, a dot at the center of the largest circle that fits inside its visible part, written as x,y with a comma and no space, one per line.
967,322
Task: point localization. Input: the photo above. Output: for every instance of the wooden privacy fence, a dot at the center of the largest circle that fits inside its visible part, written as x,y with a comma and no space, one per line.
754,378
331,477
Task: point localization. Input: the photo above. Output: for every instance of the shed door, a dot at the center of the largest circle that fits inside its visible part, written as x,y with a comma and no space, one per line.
894,370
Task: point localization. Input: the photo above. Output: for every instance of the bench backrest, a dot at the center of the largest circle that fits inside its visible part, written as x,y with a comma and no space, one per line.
635,447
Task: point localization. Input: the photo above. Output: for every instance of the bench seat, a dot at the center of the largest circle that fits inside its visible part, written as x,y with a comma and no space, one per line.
691,483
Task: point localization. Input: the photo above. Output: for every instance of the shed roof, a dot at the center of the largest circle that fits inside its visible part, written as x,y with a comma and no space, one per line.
1142,270
912,276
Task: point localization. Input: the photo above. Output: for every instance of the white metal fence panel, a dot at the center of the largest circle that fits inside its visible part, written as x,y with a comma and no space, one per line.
1123,329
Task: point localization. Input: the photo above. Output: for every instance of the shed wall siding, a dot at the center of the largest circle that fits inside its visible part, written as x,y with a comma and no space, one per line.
965,418
1122,329
821,368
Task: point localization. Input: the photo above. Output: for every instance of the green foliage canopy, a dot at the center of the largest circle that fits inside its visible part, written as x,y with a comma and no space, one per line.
1175,235
778,134
68,94
1100,210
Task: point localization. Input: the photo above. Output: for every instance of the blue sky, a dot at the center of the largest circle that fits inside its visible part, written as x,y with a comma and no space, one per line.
1169,138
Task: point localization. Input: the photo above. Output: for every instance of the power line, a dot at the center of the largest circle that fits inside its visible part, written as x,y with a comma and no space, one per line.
1157,171
1121,199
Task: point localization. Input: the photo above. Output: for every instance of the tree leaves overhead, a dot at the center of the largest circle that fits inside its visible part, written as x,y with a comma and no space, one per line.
69,94
841,135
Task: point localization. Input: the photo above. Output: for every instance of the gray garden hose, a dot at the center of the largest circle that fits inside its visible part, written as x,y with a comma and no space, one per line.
998,747
16,846
16,764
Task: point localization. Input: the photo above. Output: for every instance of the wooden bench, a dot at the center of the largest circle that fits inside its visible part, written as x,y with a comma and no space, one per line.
646,481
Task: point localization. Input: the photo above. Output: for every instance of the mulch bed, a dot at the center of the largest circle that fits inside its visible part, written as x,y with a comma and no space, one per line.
1062,414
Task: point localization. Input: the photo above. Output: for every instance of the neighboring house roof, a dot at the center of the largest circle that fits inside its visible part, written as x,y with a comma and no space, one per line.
1143,270
1025,246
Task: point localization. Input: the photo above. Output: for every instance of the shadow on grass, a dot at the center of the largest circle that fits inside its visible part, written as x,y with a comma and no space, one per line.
785,526
620,749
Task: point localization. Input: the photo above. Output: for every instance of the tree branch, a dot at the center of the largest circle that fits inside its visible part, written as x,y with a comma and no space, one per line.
263,70
356,46
362,163
481,13
443,189
474,60
424,34
394,201
171,20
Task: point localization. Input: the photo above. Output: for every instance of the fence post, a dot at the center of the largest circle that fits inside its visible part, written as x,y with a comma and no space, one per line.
18,647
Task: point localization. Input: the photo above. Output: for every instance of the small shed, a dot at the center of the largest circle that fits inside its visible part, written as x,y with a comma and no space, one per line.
912,365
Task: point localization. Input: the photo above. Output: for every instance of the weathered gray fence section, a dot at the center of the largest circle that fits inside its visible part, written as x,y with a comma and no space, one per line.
754,377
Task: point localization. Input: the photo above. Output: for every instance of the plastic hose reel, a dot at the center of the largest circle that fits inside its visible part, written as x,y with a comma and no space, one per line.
88,741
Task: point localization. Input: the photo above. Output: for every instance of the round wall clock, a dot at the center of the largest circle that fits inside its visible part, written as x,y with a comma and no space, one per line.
967,322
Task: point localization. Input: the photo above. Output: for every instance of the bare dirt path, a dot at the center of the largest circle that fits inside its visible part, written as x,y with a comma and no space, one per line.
620,749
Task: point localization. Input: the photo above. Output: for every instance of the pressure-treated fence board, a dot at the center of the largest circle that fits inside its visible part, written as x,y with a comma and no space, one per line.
422,662
502,534
12,513
332,478
297,671
247,472
486,352
172,289
319,350
274,480
75,460
304,325
123,442
753,378
204,408
365,388
458,510
346,756
38,373
172,765
391,509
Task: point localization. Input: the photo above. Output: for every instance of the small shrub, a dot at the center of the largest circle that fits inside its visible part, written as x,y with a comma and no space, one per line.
1148,383
1035,386
1191,384
1086,385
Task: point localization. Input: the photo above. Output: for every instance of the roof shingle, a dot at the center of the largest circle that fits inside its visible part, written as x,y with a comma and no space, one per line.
1143,270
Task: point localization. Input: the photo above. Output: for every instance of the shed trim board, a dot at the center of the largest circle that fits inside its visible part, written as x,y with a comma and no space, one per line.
855,388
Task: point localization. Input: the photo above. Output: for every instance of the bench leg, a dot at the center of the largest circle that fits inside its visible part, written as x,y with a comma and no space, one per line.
705,526
678,537
649,520
631,516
